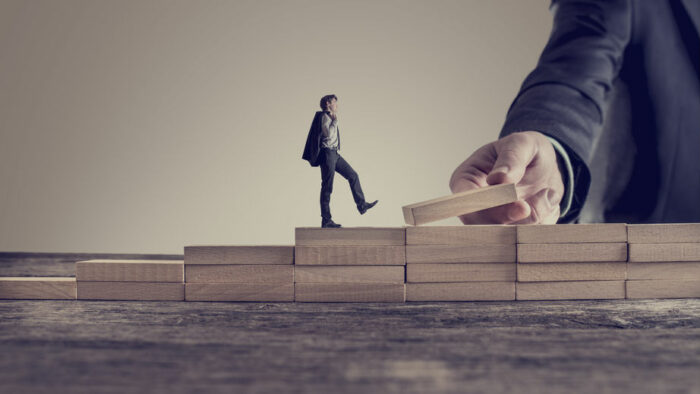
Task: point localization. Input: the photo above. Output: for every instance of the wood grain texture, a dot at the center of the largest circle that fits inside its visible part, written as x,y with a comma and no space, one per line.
664,252
461,235
349,292
37,288
579,290
252,292
469,291
552,272
572,252
130,271
663,233
460,254
459,204
349,274
572,233
131,291
350,255
638,289
683,270
238,273
350,236
209,255
456,272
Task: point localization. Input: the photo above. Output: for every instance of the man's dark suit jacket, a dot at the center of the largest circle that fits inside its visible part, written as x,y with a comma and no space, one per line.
618,84
313,141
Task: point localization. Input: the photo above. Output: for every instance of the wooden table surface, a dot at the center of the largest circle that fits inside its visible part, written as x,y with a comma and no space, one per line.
647,346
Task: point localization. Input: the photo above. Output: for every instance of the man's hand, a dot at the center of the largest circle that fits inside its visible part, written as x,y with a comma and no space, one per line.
334,115
524,158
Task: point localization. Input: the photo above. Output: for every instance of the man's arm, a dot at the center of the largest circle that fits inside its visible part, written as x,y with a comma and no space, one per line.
566,95
328,125
562,101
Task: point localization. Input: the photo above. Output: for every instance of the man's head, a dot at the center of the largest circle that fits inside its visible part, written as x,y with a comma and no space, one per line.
329,103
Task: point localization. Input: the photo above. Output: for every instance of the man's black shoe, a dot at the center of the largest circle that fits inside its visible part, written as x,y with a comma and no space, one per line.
365,206
329,224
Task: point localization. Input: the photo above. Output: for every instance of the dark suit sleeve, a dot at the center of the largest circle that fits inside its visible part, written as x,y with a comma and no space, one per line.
565,96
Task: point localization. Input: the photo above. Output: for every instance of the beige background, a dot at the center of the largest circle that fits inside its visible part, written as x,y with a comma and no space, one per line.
143,126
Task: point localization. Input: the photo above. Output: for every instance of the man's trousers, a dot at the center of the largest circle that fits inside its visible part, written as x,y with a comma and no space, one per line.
331,163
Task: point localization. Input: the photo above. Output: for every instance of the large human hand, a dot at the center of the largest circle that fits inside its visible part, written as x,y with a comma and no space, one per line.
524,158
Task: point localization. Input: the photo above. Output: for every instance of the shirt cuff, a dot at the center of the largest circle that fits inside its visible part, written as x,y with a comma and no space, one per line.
568,177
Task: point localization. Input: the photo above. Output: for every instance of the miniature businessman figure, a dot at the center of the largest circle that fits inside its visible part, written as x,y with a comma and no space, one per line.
322,146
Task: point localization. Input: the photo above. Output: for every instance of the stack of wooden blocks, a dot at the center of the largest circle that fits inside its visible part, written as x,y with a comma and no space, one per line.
664,260
462,263
466,263
350,265
130,280
572,261
239,273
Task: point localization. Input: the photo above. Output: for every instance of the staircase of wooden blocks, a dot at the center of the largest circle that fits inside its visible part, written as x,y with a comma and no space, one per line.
461,263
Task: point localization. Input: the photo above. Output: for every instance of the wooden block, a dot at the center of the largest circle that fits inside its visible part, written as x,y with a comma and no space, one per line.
350,255
237,273
131,291
253,292
580,290
459,204
663,233
130,271
461,235
572,233
553,272
460,254
349,292
37,288
209,255
352,236
637,289
470,272
665,252
685,270
470,291
349,274
572,252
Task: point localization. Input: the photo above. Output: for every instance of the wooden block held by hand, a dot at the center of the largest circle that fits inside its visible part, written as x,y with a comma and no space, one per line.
37,288
349,292
349,274
469,291
350,255
571,233
461,235
552,272
131,291
239,255
459,204
580,290
130,271
637,289
572,252
237,273
469,272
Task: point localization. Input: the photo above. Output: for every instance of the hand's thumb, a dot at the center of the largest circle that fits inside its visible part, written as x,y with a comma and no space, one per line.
514,155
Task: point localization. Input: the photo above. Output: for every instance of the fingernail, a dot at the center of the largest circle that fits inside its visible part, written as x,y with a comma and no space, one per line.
503,169
513,214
